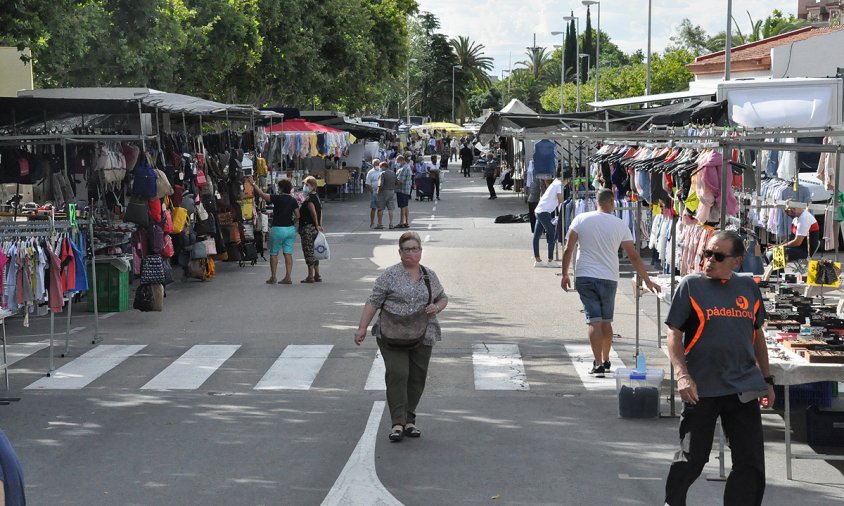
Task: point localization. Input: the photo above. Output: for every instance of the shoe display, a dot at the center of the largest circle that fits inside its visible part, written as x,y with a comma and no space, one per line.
597,370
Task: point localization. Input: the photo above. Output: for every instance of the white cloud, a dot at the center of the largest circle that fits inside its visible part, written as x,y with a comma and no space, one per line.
506,26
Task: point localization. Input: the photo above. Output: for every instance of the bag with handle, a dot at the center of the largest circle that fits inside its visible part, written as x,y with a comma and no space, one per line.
157,297
321,251
162,185
180,219
210,246
152,269
137,211
143,298
168,250
404,332
145,181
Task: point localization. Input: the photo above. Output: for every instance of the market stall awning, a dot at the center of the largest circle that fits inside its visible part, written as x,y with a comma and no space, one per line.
660,97
441,125
301,126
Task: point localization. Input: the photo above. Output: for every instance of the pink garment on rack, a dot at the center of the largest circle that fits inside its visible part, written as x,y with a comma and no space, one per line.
709,188
56,284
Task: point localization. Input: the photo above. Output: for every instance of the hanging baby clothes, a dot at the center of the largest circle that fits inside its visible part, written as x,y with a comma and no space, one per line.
788,162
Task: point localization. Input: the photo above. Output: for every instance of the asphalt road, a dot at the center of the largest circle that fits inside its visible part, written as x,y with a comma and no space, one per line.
552,438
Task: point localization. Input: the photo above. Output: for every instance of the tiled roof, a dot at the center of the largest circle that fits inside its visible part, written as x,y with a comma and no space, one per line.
757,53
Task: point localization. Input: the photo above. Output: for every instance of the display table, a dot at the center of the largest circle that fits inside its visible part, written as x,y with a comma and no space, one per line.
797,371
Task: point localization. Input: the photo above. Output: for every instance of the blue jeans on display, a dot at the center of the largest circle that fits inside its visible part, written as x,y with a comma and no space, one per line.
543,222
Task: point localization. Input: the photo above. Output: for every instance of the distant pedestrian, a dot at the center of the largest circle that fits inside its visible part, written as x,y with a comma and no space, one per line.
310,223
491,171
434,173
597,235
548,203
386,195
454,148
466,159
409,297
534,191
404,189
371,183
283,231
11,474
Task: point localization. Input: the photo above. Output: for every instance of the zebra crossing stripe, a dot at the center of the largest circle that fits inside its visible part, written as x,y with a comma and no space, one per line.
18,352
296,368
193,368
581,356
498,367
88,367
375,380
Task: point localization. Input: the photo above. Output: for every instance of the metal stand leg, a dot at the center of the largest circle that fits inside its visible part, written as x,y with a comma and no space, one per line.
52,334
67,329
5,359
788,457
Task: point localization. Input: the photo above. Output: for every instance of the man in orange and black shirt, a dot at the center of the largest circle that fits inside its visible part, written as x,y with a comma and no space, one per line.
717,346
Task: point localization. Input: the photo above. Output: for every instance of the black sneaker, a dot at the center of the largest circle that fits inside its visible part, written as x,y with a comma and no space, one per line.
607,365
597,370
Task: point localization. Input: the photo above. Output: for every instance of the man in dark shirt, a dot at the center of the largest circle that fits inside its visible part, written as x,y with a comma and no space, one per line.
717,347
466,158
491,171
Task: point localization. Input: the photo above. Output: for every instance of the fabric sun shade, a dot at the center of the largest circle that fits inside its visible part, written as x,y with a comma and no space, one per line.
300,125
441,125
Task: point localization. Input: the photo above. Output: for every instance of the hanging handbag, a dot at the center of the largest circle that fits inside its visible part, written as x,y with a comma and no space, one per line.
157,297
224,218
137,211
210,246
199,251
168,250
162,185
180,219
405,332
152,269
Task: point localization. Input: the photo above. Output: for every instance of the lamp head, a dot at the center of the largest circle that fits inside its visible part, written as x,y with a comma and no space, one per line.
557,33
590,2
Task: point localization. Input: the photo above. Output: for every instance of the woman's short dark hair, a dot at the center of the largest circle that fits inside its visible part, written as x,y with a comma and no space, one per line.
736,242
285,186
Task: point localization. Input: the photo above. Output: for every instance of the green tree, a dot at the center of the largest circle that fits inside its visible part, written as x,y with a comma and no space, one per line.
470,55
587,47
570,48
490,98
692,38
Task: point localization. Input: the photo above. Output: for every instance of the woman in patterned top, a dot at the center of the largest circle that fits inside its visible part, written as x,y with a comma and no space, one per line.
402,290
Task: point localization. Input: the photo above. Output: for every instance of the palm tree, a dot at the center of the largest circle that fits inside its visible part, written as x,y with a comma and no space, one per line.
537,62
470,55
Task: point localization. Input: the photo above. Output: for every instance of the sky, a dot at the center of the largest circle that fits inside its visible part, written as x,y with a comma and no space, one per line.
506,26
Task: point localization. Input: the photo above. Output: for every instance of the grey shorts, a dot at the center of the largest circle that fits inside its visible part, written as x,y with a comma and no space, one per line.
387,200
598,298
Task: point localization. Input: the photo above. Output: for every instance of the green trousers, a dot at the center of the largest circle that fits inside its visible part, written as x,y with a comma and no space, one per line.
406,373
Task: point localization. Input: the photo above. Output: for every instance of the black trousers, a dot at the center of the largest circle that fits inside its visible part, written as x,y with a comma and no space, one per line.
742,423
437,187
466,169
490,184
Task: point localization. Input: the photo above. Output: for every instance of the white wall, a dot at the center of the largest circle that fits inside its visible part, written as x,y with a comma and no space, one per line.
816,57
15,75
756,74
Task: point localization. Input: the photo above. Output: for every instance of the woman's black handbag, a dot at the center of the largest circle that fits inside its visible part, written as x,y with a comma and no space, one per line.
405,332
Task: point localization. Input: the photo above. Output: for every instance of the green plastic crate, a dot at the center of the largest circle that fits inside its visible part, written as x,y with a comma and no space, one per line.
112,289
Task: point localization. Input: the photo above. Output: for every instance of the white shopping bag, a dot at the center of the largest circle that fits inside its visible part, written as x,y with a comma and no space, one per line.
321,251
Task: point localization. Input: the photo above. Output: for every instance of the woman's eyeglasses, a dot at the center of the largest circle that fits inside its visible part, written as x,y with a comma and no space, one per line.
411,250
719,257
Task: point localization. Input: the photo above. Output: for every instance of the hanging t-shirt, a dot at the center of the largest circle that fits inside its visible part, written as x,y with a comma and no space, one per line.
544,158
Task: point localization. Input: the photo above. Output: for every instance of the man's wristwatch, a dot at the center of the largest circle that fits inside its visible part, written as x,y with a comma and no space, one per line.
769,380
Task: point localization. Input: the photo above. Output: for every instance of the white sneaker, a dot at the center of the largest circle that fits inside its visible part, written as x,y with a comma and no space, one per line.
553,264
539,263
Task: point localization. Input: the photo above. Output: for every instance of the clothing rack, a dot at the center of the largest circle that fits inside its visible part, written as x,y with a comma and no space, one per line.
50,229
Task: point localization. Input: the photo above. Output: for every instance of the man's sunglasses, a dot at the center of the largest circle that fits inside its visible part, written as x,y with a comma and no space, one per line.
719,257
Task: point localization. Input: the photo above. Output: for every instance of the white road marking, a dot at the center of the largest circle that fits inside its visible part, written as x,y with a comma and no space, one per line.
296,368
91,365
498,367
433,216
430,226
193,368
109,315
358,482
434,209
624,476
427,238
375,380
18,352
582,357
76,329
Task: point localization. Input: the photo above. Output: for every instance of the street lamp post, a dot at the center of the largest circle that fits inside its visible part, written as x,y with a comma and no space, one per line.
597,50
577,51
411,60
728,42
453,68
648,78
562,71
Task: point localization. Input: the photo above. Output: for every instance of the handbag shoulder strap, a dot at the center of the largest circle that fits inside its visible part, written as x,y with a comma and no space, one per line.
427,283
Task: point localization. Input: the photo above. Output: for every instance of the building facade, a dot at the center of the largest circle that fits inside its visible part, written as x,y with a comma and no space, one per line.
820,10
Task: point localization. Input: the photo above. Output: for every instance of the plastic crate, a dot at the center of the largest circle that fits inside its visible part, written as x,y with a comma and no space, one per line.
824,428
112,289
810,394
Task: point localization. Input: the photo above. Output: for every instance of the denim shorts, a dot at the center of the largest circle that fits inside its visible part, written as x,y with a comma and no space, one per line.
373,201
598,298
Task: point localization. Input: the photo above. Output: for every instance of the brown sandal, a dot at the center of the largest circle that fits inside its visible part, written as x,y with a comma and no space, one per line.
307,280
271,281
317,279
